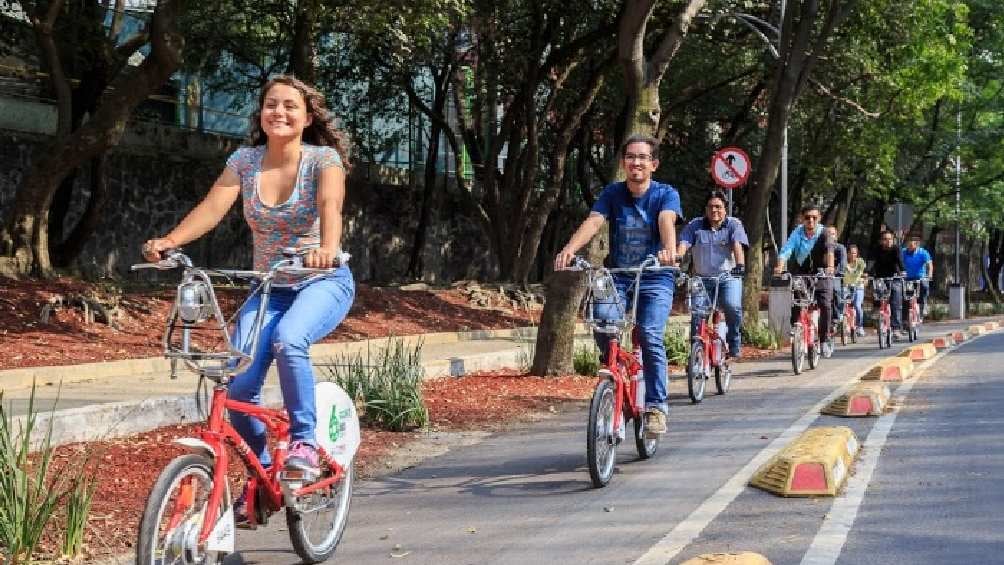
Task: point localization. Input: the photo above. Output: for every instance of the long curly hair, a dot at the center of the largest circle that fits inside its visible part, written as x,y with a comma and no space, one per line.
322,129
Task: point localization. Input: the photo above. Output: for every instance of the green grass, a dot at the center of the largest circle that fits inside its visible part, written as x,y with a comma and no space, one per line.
387,385
586,360
677,345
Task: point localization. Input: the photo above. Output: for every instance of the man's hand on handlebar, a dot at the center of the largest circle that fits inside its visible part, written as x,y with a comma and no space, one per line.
563,259
667,257
739,270
153,249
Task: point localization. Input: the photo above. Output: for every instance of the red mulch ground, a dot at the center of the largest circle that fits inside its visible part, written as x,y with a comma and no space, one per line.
66,339
126,468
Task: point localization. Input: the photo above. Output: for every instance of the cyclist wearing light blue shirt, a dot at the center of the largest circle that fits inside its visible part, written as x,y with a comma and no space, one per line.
919,267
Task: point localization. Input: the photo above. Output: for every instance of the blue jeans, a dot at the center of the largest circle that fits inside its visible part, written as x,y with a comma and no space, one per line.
730,301
294,319
655,300
858,298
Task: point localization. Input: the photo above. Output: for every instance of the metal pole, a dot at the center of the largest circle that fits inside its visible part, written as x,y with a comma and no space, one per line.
784,146
958,189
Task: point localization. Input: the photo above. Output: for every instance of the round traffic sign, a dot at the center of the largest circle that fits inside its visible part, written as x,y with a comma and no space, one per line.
730,167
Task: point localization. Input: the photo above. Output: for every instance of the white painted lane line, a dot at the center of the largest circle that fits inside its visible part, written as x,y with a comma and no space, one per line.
832,535
687,531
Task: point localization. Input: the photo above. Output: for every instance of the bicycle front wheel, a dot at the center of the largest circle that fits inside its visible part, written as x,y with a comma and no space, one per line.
647,446
797,348
601,448
174,514
696,379
723,376
815,352
318,520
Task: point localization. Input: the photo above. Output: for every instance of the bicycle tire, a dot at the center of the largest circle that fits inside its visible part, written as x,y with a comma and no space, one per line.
815,352
646,446
853,327
696,379
843,331
601,447
148,543
723,377
306,548
797,348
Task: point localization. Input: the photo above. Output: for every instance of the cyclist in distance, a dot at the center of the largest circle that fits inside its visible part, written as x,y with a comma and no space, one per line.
840,266
854,279
889,263
291,181
808,249
717,241
919,267
642,215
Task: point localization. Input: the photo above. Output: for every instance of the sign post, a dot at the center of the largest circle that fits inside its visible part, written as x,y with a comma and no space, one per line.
730,168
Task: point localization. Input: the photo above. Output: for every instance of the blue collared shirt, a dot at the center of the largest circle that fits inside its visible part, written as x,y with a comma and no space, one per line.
634,222
916,263
712,248
800,244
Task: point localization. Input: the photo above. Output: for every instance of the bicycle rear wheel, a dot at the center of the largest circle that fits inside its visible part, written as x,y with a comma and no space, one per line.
318,520
601,448
696,378
723,377
174,514
797,348
815,351
646,446
852,326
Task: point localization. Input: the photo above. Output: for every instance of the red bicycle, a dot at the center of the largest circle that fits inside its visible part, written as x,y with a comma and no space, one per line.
707,346
189,515
806,343
620,394
848,327
912,317
881,292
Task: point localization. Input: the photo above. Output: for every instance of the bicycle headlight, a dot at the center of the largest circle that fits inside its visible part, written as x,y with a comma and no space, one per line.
603,289
194,302
696,285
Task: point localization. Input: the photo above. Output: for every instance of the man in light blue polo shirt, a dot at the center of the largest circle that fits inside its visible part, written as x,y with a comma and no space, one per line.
717,241
919,267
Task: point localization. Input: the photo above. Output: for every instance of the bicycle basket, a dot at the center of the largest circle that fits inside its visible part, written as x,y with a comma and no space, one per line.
602,288
880,289
697,298
910,289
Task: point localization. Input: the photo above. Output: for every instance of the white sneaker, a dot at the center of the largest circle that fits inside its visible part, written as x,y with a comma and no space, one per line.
860,332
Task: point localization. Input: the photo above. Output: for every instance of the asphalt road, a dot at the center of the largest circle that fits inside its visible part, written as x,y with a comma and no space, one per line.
931,493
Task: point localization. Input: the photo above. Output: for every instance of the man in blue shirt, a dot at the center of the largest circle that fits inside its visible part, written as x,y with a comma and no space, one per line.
642,215
810,248
919,267
717,241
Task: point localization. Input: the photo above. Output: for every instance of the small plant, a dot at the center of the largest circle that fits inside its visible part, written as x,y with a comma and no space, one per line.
30,490
760,336
937,311
386,386
677,345
78,507
586,360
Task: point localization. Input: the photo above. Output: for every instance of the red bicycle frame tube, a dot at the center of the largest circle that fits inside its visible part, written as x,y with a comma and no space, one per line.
624,386
219,432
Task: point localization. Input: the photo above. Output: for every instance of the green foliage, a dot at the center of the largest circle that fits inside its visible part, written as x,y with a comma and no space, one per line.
760,336
937,311
31,489
387,385
586,360
78,507
677,343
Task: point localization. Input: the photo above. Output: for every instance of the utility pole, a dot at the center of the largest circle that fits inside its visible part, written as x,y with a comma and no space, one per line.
784,145
957,290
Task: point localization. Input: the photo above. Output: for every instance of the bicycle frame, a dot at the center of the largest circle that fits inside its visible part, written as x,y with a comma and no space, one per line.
808,309
707,329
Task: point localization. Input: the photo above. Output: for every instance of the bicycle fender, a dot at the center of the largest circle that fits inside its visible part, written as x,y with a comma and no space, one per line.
197,445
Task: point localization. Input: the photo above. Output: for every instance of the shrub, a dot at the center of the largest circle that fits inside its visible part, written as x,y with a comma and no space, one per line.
586,360
677,345
760,336
937,311
386,386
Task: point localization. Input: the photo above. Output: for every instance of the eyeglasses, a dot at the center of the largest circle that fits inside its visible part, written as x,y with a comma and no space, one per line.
812,217
632,157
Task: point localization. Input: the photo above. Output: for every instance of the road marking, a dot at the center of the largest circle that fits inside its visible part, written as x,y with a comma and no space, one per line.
691,527
832,535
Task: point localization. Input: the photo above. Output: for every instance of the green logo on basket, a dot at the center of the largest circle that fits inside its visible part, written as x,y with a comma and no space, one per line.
334,425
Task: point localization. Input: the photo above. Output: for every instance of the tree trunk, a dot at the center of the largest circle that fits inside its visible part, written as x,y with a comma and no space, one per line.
415,266
66,252
24,238
301,60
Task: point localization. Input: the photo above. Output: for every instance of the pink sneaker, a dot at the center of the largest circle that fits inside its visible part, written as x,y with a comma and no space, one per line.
303,457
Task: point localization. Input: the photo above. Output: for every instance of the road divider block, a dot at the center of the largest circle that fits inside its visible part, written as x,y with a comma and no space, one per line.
959,336
944,341
816,463
921,352
992,326
743,558
977,329
890,369
863,399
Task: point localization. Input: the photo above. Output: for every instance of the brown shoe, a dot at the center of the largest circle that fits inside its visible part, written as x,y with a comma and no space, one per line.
655,423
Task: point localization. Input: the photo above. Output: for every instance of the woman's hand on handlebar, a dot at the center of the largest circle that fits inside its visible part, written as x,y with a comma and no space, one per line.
153,249
320,258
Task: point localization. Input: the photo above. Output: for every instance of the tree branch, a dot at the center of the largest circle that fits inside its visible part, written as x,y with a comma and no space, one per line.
673,39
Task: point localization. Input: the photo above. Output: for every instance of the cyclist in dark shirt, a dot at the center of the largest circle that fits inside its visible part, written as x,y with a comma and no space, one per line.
889,263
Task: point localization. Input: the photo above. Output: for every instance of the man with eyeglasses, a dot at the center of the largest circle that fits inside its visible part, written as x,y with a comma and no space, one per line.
717,240
642,214
889,263
810,248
